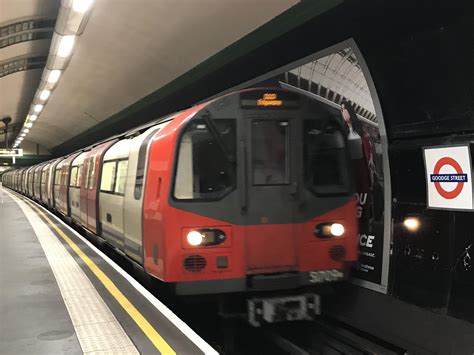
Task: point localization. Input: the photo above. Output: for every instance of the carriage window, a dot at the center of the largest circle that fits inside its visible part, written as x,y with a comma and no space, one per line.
73,179
122,166
108,176
204,169
270,152
57,176
43,177
90,181
326,169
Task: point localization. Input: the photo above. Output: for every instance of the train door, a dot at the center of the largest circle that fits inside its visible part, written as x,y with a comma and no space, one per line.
271,184
76,187
87,185
89,196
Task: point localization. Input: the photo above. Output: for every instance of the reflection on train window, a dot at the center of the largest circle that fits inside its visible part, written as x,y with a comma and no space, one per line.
57,176
205,168
79,176
73,177
90,182
270,152
43,177
121,177
108,176
325,159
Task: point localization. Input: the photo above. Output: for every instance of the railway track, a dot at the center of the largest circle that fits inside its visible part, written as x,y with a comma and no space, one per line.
325,337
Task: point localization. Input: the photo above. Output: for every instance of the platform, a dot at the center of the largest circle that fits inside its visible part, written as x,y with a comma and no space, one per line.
60,294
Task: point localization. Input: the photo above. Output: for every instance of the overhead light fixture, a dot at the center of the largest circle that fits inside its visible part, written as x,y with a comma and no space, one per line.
25,130
32,118
28,124
23,134
45,95
38,108
53,76
81,5
66,44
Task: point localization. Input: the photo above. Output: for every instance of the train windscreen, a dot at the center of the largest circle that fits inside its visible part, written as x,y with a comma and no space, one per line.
204,170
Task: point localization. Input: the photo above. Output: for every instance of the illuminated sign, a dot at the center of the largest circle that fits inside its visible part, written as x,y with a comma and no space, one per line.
269,99
448,177
13,152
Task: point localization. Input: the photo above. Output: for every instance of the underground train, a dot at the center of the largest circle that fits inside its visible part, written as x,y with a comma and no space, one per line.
251,191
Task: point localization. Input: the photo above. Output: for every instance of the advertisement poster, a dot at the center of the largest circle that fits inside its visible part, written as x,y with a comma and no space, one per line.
338,81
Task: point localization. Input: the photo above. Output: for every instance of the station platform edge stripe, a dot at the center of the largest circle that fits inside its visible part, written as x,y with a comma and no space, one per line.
151,333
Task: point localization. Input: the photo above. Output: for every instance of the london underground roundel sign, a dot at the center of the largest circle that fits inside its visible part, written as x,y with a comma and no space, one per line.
448,175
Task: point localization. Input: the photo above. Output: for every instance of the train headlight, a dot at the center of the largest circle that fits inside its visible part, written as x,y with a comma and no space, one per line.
329,229
195,238
205,237
337,229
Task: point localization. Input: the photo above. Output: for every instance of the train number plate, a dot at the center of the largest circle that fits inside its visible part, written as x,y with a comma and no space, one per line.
316,277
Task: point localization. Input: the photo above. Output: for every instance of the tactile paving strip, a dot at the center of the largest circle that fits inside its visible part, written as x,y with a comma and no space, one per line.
97,329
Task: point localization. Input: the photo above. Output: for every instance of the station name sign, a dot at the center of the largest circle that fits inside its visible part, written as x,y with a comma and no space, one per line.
448,177
13,152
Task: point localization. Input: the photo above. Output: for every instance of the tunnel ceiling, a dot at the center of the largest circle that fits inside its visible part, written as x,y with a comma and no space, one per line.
26,29
128,50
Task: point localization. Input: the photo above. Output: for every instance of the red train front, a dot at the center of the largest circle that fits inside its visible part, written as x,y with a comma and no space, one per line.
249,192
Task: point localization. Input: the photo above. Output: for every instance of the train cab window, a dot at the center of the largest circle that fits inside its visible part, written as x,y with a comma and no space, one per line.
73,177
326,168
270,152
204,168
108,176
122,166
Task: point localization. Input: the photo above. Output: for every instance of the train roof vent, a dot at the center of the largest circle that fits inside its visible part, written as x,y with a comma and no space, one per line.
195,263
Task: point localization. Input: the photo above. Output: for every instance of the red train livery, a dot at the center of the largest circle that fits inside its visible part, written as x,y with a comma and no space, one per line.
251,191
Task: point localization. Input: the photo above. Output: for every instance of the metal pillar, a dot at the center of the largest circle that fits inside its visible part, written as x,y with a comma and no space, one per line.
6,121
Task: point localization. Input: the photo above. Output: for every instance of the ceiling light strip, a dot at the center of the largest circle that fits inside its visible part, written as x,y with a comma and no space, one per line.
72,19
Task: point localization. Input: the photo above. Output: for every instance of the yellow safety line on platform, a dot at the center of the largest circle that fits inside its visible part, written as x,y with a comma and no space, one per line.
157,340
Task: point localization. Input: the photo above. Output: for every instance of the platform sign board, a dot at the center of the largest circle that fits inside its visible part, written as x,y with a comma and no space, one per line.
11,152
448,177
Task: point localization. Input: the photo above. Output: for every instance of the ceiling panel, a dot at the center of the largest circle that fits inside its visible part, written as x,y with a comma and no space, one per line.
17,89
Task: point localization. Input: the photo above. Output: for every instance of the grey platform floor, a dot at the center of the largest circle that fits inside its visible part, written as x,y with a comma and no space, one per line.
33,316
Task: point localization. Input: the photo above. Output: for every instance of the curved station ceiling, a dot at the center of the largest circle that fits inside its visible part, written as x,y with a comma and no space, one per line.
119,52
26,30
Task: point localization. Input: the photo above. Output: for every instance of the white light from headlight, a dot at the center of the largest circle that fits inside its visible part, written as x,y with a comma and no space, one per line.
337,229
195,238
412,224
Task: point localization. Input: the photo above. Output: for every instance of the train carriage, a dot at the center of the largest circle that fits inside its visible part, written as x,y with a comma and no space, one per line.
251,191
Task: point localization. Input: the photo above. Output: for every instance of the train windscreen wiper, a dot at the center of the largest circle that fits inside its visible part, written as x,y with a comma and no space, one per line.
218,137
